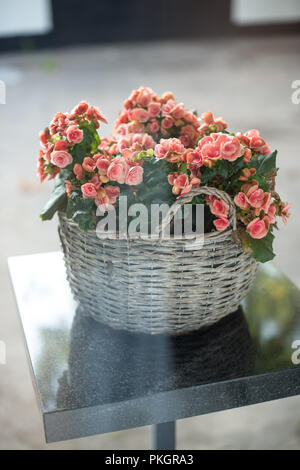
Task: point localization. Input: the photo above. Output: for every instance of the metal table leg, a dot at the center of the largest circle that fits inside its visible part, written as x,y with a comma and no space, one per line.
164,436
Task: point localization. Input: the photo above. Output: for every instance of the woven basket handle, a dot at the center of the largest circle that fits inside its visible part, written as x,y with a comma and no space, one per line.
207,190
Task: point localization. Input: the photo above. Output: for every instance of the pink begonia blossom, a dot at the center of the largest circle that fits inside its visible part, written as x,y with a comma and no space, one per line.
241,201
102,165
74,135
285,212
221,224
181,181
153,126
258,228
61,145
257,143
219,208
78,171
194,157
230,147
139,114
89,190
134,176
272,214
89,164
61,158
255,197
154,109
112,193
94,113
117,170
167,122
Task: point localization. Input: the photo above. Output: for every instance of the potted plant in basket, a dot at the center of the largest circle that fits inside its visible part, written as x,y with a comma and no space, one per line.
160,152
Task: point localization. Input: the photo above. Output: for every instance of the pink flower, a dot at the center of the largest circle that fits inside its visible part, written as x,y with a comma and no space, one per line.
272,214
102,201
219,208
176,146
89,164
208,118
178,111
242,201
204,141
148,142
210,154
88,190
189,131
194,157
44,135
117,170
138,114
259,228
112,193
154,109
94,113
185,190
61,145
134,176
74,135
136,127
96,181
172,177
78,171
61,158
230,148
285,212
255,197
257,143
167,122
69,187
221,224
182,181
210,199
103,165
247,174
124,143
167,96
266,202
144,97
167,107
162,149
247,155
184,139
153,126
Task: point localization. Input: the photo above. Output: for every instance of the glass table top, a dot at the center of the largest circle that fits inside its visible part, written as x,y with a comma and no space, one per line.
92,379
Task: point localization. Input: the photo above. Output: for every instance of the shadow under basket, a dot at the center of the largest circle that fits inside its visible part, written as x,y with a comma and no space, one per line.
169,285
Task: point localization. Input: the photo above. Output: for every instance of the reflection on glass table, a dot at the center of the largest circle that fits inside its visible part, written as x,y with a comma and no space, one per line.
91,379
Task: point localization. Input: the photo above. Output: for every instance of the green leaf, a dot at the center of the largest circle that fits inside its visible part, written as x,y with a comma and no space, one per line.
82,211
89,143
264,164
58,198
85,220
261,250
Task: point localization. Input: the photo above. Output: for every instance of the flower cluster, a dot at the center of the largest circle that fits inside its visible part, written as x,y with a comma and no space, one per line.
179,148
160,116
59,138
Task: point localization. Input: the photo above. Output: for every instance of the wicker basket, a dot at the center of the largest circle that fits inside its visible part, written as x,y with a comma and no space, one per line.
163,286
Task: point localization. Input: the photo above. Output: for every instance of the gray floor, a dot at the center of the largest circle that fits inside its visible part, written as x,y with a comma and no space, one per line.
249,83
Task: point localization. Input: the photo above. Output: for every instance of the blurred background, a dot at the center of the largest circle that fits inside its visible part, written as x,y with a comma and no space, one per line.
239,59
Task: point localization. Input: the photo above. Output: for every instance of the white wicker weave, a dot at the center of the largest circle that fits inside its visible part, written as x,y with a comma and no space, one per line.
161,286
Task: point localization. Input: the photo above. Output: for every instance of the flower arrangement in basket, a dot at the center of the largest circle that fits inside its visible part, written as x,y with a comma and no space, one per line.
161,152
